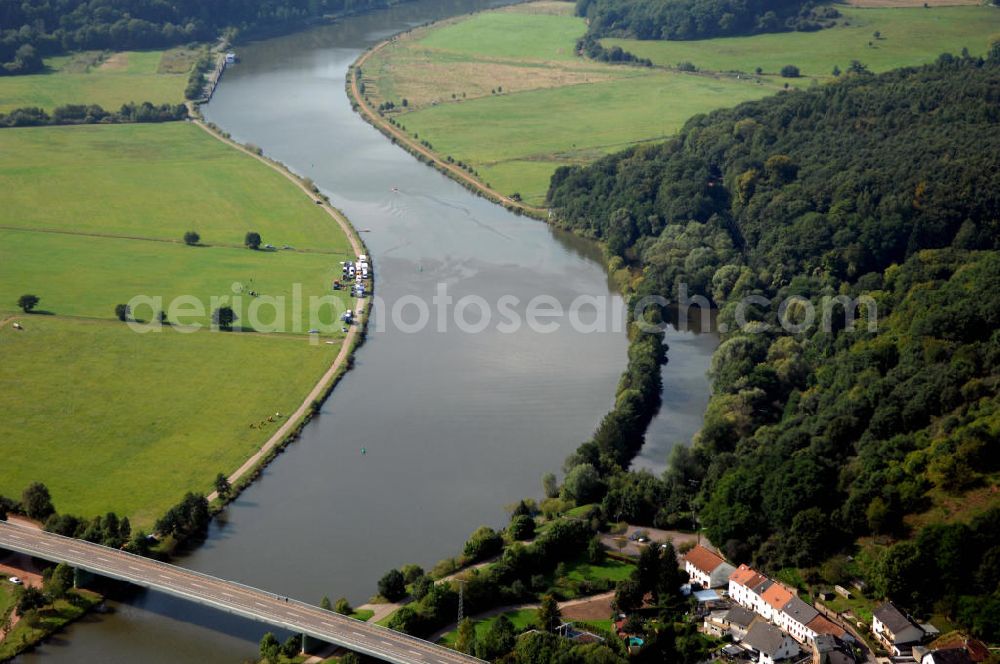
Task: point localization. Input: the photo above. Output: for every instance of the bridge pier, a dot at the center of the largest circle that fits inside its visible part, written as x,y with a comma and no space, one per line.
82,578
312,646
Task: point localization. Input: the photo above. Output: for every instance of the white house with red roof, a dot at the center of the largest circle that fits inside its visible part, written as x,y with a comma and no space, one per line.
779,604
707,568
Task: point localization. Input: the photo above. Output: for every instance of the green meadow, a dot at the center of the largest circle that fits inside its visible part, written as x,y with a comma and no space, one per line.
113,420
516,141
506,34
504,92
908,36
109,80
153,181
524,103
79,275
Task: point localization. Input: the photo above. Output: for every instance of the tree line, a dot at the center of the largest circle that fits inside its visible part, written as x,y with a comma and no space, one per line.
72,114
700,19
884,185
33,29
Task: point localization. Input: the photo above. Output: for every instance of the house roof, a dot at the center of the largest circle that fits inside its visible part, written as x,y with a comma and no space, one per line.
977,649
822,625
824,643
739,616
799,611
777,596
951,656
765,638
745,576
892,618
704,559
761,586
706,596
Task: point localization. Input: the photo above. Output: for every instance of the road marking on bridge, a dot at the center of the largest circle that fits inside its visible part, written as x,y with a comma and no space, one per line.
269,607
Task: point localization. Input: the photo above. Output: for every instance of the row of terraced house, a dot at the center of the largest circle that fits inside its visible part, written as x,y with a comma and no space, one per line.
770,599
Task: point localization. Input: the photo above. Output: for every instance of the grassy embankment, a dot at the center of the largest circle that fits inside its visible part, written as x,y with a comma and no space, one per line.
115,421
504,92
105,79
49,619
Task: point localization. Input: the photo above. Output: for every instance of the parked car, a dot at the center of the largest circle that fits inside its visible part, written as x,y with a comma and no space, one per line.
16,581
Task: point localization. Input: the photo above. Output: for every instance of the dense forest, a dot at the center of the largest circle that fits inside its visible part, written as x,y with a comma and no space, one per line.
886,186
32,29
699,19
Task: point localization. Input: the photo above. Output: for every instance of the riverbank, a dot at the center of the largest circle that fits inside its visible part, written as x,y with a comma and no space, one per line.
421,152
290,430
21,633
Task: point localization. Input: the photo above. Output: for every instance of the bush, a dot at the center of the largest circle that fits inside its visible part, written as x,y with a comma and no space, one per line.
483,543
790,71
522,527
191,238
36,501
392,586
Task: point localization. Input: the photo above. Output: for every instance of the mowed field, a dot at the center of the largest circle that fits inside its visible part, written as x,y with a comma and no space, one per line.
114,420
504,92
111,419
95,215
108,80
908,36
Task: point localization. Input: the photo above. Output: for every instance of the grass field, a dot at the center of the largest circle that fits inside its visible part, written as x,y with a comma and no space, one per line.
117,421
109,195
109,80
109,419
503,90
522,620
909,36
516,141
152,181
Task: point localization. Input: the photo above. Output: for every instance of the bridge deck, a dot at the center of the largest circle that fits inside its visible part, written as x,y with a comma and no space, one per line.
259,605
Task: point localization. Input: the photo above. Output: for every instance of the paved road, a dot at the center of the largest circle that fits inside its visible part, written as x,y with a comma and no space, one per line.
258,605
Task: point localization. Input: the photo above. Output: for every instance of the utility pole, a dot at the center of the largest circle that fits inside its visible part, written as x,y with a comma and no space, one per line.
461,600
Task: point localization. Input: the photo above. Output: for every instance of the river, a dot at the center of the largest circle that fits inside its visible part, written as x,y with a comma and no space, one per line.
454,425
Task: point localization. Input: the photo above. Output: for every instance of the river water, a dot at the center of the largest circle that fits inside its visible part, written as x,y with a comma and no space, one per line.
454,425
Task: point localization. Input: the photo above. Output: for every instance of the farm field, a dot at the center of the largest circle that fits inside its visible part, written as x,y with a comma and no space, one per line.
183,406
158,181
108,80
78,275
908,36
517,141
503,92
95,215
